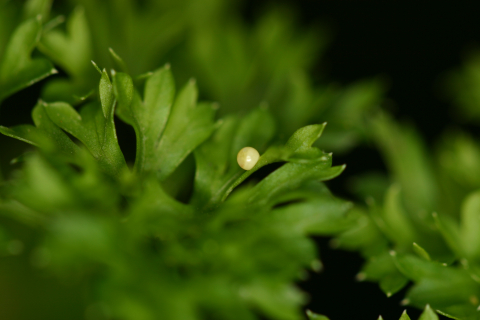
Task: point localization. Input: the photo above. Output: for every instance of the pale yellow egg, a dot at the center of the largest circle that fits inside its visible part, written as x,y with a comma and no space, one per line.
247,158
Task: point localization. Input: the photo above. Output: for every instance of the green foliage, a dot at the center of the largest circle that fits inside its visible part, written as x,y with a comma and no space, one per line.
17,67
427,247
427,314
221,256
186,233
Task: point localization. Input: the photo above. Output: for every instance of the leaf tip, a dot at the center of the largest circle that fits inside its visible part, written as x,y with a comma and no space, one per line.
334,244
393,253
167,66
361,276
96,66
405,302
316,265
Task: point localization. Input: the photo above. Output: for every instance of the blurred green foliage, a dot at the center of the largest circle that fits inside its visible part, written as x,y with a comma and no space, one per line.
185,233
427,314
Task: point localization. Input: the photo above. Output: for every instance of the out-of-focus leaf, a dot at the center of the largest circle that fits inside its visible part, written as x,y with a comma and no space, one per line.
470,225
393,283
381,268
463,86
279,302
17,69
118,62
405,155
450,232
395,219
25,132
460,158
257,62
421,252
428,314
440,286
315,316
324,216
404,316
363,236
370,185
34,8
72,51
43,188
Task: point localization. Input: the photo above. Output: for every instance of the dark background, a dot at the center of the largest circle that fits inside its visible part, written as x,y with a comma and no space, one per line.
413,46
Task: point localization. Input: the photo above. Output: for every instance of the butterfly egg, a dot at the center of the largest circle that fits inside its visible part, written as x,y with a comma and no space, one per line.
247,158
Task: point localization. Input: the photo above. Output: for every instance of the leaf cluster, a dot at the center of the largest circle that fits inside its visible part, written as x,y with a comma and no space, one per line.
230,251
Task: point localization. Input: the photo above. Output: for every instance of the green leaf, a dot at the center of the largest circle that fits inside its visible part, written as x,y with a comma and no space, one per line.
95,131
447,315
437,284
124,93
459,157
470,225
290,177
393,283
404,316
406,157
382,268
162,145
322,216
107,98
188,126
216,159
45,134
42,121
118,62
72,51
421,252
450,231
428,314
43,188
277,301
399,226
297,149
17,69
363,236
34,8
26,133
315,316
